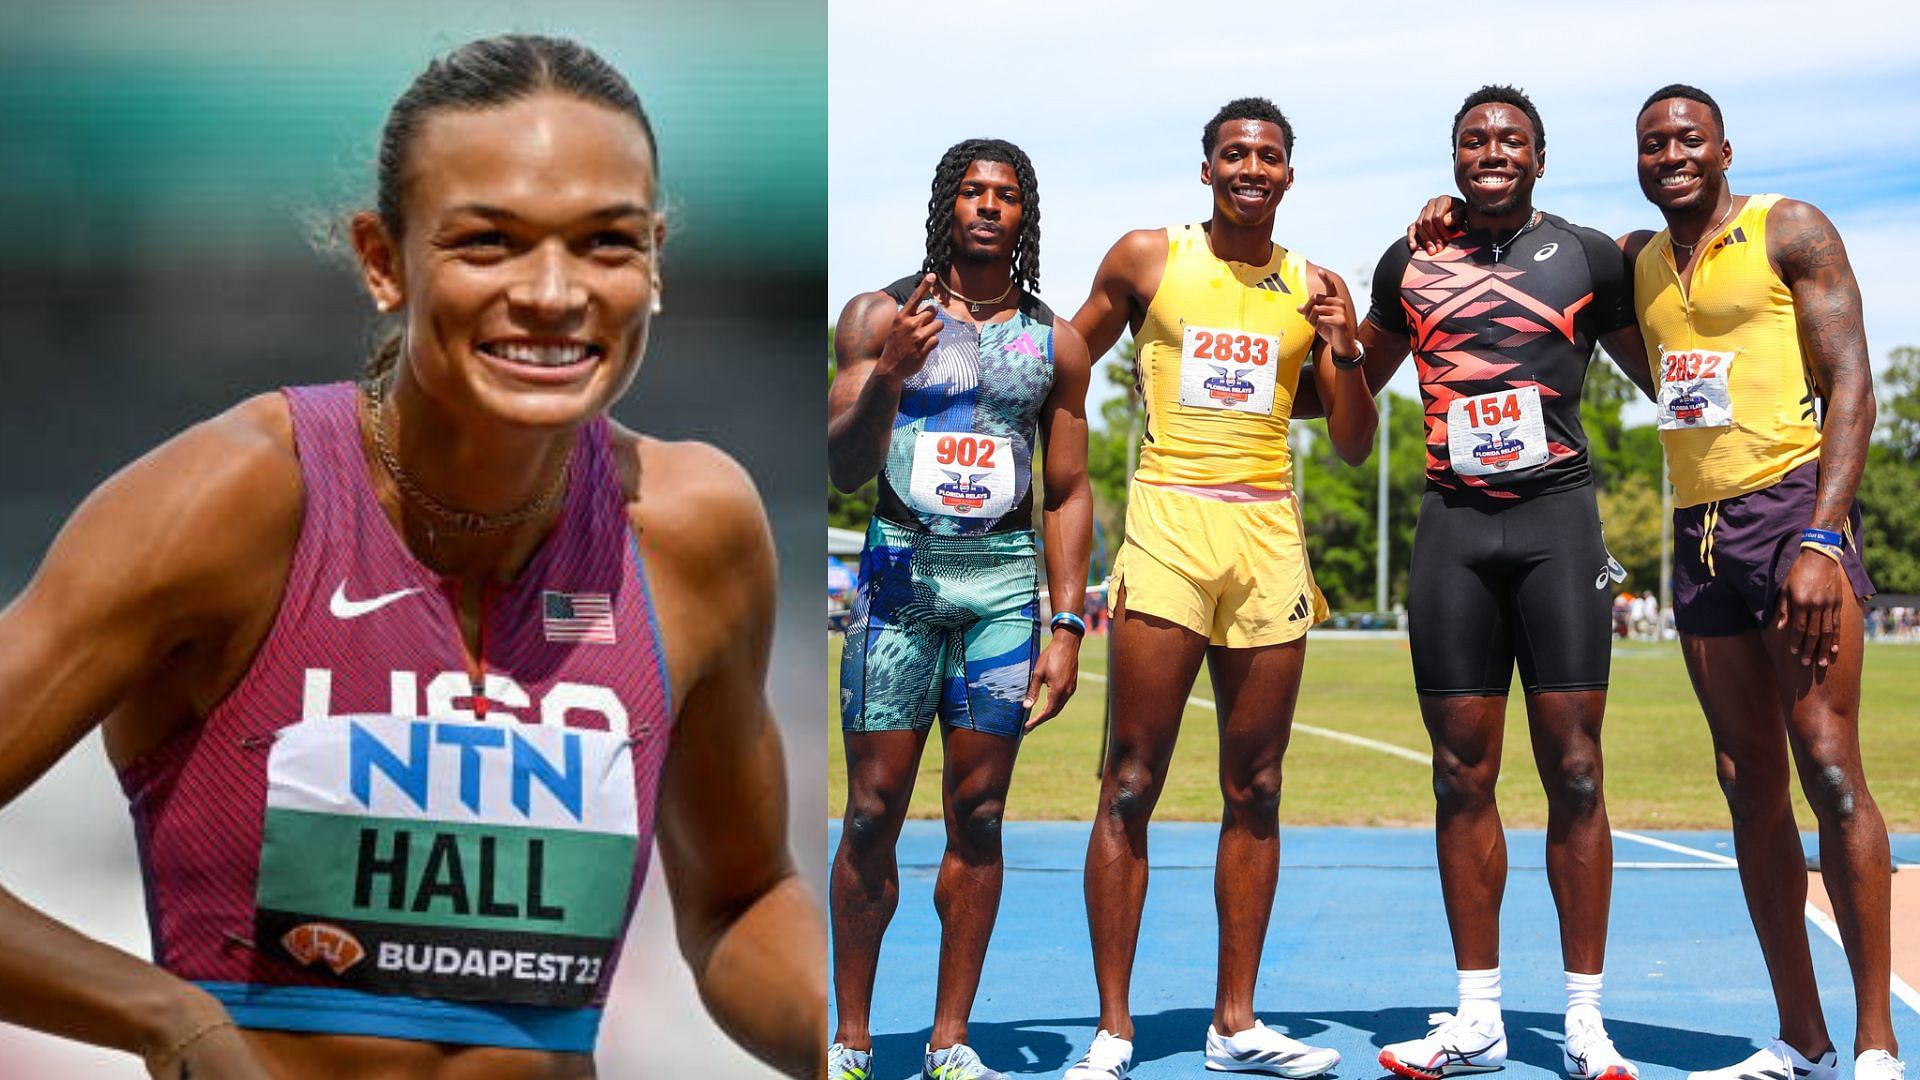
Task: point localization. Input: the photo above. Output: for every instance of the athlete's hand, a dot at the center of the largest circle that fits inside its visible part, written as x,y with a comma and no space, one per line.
1810,605
221,1054
911,337
1438,220
1058,669
1332,317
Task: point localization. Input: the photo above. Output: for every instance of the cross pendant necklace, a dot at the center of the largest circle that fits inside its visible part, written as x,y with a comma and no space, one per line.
1500,248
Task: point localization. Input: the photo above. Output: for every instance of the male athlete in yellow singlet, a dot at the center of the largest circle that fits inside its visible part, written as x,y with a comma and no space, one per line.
1214,565
1759,369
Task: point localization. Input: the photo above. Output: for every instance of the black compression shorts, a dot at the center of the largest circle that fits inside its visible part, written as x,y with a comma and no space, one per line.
1525,580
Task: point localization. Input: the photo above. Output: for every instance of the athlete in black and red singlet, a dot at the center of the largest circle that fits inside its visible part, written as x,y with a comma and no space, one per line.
1508,561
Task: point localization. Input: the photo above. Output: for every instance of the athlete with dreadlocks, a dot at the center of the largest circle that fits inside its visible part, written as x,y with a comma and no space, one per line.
944,381
1214,566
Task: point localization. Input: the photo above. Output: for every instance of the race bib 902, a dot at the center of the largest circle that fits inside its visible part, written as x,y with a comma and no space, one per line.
1496,434
1693,389
962,474
1228,369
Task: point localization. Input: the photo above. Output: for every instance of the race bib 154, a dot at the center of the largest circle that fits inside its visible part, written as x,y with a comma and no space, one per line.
1496,434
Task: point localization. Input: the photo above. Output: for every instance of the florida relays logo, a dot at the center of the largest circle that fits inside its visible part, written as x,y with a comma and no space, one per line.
963,491
1498,451
1228,384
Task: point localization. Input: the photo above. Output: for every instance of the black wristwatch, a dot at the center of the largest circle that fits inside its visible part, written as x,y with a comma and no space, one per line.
1348,363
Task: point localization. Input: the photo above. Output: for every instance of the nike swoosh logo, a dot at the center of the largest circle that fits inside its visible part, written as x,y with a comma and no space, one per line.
343,608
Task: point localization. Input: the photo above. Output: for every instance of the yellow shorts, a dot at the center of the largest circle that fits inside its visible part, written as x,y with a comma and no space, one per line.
1235,572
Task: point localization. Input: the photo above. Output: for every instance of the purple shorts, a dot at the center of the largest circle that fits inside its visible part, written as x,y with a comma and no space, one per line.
1754,540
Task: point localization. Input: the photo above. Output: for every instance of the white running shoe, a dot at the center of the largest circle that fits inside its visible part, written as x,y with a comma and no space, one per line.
1588,1054
1260,1049
1777,1061
845,1064
1456,1045
957,1062
1109,1058
1878,1065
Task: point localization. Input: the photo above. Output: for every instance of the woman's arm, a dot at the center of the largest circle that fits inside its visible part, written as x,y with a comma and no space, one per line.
155,581
747,926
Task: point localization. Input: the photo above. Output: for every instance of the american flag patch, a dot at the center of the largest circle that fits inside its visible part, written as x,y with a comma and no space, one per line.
566,617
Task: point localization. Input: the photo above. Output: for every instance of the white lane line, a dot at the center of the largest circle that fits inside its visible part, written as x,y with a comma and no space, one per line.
1668,845
1415,756
1901,989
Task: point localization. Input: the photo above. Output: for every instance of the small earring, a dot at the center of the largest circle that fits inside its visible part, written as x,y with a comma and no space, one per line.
655,306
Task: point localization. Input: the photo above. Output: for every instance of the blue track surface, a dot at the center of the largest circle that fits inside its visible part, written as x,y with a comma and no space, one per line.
1356,957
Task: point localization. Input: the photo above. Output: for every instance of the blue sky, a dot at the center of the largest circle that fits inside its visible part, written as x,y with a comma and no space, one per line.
1822,103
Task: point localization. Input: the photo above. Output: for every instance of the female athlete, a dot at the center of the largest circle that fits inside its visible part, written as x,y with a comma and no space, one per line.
402,680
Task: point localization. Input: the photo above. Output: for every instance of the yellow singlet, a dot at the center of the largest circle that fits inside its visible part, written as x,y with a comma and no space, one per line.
1735,406
1220,352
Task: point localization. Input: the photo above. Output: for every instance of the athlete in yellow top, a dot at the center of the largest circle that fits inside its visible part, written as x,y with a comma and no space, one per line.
1214,565
1723,329
1750,321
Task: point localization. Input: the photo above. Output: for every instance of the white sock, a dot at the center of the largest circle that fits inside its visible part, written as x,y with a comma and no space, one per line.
1480,994
1583,989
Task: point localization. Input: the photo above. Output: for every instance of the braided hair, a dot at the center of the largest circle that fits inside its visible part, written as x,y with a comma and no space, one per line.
946,188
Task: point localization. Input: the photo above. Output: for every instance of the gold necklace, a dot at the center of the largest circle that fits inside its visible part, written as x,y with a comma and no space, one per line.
1697,241
974,305
464,521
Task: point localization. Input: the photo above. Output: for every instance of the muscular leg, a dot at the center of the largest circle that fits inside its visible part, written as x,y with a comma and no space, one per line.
1565,727
1467,732
979,766
1154,663
1255,690
1823,728
866,880
1734,679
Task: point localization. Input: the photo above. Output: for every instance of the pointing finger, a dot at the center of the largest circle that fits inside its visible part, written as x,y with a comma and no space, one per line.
919,293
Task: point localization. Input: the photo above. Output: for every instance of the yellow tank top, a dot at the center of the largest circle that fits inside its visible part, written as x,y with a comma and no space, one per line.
1220,352
1736,399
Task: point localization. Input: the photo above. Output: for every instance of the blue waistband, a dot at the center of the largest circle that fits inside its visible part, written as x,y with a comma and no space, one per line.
332,1011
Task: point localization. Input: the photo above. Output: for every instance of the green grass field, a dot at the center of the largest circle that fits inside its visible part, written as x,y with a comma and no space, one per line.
1659,761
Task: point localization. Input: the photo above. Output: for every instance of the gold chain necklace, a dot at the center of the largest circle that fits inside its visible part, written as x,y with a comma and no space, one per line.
974,305
465,521
1697,240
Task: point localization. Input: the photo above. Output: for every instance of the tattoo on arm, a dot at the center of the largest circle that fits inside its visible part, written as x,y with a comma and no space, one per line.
1826,299
861,420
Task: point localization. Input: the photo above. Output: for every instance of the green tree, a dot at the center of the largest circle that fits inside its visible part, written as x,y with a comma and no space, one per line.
1899,400
1890,488
1112,445
1630,519
1337,503
1619,455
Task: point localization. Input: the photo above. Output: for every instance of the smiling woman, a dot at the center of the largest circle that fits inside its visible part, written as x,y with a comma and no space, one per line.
404,679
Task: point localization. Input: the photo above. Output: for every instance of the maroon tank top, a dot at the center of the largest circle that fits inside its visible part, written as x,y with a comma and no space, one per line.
353,842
